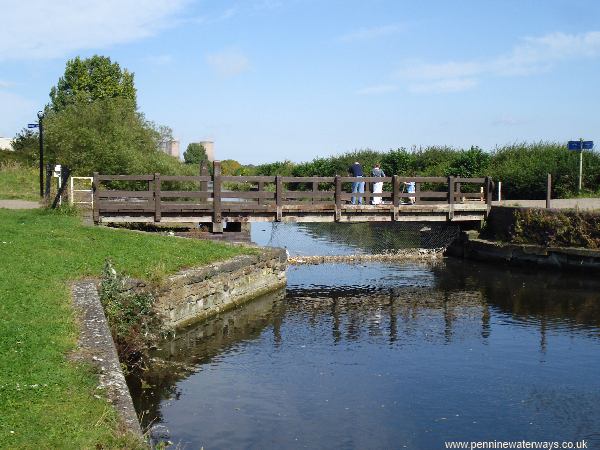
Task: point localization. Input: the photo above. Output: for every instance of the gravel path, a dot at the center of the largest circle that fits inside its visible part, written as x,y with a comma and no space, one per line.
561,203
18,204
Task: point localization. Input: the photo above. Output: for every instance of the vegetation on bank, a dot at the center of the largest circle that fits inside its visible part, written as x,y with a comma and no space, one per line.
134,325
19,181
46,400
568,228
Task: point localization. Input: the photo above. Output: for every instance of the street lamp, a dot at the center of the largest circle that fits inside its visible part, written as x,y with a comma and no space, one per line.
40,116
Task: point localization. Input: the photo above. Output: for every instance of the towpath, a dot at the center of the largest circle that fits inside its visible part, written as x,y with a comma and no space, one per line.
18,204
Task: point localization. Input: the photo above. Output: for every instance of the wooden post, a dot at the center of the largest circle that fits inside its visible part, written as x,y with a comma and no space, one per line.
417,192
367,197
338,198
395,196
204,184
157,214
451,197
548,191
217,225
95,203
48,183
458,193
315,188
489,186
278,197
261,188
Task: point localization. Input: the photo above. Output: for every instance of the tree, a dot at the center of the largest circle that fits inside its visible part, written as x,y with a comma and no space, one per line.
91,79
195,154
106,136
231,167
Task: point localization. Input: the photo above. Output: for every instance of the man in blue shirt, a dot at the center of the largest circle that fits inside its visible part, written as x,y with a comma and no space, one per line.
355,170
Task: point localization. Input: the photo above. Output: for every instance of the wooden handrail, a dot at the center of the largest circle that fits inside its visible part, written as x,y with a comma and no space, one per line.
315,192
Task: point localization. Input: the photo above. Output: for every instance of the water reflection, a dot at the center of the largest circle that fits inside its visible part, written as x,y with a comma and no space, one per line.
382,356
385,356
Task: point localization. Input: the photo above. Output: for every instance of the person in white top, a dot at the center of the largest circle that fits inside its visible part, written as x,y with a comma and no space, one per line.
377,186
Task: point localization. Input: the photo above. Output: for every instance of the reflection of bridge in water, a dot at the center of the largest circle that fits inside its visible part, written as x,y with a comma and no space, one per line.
222,199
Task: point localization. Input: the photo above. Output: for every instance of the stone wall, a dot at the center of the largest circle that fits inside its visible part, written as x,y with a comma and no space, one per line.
471,246
96,346
195,294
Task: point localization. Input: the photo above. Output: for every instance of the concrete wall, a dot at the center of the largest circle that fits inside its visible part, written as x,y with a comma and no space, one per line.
209,147
471,247
195,294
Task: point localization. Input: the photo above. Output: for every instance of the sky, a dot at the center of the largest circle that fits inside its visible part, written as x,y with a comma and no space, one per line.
297,79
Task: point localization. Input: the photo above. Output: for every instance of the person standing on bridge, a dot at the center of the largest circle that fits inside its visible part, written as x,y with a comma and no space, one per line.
377,186
410,188
355,170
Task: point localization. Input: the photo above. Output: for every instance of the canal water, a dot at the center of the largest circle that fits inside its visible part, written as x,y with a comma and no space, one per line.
388,356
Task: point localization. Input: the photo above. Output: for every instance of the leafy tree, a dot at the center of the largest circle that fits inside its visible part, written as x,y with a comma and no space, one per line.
26,143
106,136
231,167
91,79
195,154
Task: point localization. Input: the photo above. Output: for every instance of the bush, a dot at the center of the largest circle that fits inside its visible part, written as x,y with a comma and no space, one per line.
522,168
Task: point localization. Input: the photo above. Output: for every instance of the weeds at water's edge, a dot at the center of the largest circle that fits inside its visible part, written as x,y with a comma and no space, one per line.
133,323
568,228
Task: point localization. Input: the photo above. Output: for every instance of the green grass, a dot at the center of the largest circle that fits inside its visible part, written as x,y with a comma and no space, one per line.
46,401
19,181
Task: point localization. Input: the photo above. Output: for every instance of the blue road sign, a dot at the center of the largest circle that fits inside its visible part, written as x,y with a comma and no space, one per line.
574,145
588,145
32,125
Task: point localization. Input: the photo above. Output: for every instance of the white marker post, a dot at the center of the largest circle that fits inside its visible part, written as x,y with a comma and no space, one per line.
580,165
580,146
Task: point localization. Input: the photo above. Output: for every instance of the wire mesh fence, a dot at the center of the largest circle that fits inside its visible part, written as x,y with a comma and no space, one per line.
360,238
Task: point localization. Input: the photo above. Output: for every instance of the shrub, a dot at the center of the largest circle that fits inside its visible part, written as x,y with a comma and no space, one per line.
133,323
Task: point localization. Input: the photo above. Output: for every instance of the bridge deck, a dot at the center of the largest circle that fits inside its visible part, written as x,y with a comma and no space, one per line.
217,199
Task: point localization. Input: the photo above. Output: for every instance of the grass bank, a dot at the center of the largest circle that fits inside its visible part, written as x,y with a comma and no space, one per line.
19,181
46,401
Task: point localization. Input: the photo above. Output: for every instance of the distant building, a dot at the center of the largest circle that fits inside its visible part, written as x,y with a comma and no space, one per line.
6,144
170,148
209,147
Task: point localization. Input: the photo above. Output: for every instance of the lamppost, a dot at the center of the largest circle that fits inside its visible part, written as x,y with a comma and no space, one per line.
40,115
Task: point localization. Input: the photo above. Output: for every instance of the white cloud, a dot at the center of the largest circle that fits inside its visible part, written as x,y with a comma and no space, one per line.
363,34
5,84
532,55
377,89
43,29
443,86
228,63
159,60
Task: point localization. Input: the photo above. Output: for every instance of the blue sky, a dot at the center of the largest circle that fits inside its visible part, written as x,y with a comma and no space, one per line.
295,79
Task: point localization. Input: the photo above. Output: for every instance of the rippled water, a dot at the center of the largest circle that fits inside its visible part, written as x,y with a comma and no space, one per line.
388,356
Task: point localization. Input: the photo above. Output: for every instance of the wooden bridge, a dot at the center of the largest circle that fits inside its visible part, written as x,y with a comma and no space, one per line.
223,199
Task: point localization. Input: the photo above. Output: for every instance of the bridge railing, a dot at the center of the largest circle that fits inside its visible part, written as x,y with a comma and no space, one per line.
214,195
